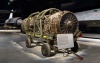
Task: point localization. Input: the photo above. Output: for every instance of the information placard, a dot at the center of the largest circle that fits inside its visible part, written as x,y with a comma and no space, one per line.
65,41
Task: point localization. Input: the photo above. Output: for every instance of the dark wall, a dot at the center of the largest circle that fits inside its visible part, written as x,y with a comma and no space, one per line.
26,7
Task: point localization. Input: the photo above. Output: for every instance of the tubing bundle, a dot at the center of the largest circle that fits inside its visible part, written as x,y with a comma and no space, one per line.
53,21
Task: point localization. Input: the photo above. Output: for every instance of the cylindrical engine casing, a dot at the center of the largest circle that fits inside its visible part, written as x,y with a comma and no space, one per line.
51,23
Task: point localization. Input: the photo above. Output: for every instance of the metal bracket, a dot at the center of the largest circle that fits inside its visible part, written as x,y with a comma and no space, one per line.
79,57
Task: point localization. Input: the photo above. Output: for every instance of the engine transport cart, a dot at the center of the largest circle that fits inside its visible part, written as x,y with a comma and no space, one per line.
56,30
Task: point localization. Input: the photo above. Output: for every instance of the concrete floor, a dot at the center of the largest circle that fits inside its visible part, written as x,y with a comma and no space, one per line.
13,50
92,35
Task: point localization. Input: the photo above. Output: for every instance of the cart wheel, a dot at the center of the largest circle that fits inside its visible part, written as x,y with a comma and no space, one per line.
75,48
28,43
46,50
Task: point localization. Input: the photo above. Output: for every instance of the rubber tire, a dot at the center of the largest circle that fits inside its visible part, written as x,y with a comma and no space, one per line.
75,48
28,43
46,50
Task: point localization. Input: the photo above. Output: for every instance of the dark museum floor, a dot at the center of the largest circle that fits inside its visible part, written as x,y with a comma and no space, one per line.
13,50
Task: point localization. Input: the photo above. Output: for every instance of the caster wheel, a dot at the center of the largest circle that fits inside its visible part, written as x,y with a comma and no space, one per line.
46,50
75,48
28,43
